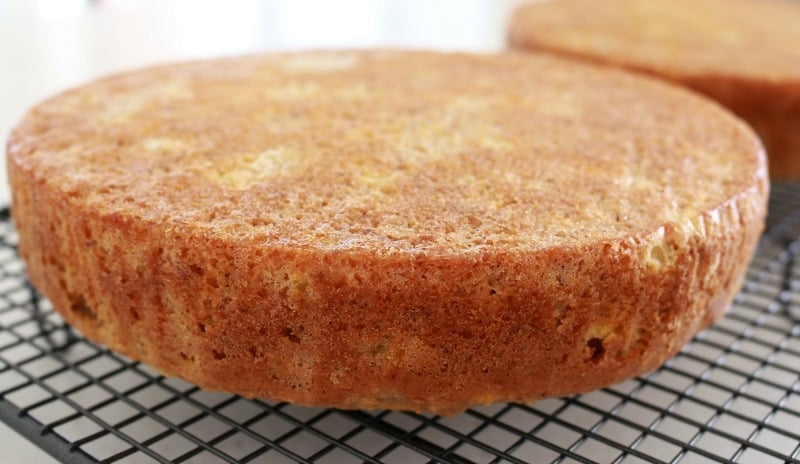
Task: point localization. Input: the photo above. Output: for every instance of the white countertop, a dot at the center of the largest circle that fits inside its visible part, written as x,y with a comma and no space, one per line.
49,45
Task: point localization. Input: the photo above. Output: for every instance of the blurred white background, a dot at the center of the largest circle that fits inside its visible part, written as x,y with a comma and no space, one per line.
49,45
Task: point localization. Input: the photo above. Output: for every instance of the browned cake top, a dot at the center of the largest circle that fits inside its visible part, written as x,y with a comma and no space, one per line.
394,151
755,39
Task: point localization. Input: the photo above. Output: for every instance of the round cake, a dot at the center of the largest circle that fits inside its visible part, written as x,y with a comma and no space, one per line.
386,229
743,53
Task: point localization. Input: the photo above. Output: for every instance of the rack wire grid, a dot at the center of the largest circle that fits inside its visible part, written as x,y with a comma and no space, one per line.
731,395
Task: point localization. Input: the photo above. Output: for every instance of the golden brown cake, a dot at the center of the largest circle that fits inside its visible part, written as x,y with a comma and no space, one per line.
388,229
743,53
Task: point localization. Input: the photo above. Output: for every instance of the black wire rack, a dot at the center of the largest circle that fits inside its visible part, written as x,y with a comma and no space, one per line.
731,395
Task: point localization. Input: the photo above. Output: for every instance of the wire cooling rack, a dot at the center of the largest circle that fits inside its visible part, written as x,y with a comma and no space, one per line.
732,394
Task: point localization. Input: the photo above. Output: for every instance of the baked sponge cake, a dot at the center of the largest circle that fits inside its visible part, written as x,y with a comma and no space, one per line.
743,53
384,229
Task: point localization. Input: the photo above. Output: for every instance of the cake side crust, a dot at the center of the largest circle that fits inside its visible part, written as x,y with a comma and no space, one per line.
409,331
